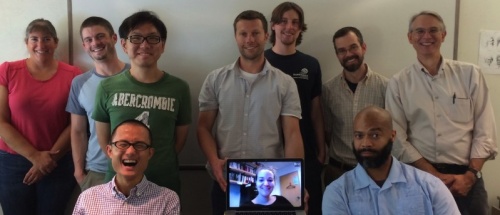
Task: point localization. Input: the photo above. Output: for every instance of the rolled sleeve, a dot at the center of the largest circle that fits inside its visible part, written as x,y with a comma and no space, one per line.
484,134
207,98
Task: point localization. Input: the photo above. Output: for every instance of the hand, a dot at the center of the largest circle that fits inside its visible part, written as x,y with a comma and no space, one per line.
306,200
44,162
80,176
321,159
217,171
463,183
447,179
32,176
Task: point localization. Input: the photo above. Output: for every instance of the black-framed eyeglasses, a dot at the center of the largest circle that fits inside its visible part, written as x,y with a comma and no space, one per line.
138,39
124,145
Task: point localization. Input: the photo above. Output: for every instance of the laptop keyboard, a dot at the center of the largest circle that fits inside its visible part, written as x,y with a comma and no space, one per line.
266,213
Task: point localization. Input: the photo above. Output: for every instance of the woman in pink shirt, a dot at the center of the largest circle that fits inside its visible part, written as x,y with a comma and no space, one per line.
36,170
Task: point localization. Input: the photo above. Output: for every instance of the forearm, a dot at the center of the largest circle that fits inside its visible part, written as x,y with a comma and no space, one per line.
294,147
207,144
62,144
103,131
318,125
181,133
16,141
477,163
206,121
79,147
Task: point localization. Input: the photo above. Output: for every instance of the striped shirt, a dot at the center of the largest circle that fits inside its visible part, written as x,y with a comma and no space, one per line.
340,106
145,198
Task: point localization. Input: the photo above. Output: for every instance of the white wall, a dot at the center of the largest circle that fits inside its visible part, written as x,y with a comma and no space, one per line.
476,16
16,15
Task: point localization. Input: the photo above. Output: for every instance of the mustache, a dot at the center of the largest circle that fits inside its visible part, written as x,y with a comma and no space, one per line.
367,150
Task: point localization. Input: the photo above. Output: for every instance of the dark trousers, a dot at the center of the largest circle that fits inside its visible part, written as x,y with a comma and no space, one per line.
218,199
47,196
313,185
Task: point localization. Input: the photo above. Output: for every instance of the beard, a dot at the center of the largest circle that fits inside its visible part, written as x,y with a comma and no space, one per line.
379,158
353,67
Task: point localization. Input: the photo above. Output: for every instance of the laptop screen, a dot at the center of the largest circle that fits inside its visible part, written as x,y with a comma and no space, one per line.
265,184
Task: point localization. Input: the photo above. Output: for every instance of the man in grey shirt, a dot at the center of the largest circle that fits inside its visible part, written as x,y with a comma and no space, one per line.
252,105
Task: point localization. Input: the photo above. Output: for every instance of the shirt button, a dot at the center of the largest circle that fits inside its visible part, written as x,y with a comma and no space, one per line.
439,135
436,97
246,114
247,96
244,133
439,115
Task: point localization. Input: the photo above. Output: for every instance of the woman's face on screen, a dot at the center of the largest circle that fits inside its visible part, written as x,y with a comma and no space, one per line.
265,182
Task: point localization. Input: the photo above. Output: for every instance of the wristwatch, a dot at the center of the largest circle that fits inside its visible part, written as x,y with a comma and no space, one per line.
476,173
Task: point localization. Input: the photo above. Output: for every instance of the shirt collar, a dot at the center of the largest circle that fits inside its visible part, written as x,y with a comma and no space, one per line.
369,74
421,68
236,67
138,190
363,179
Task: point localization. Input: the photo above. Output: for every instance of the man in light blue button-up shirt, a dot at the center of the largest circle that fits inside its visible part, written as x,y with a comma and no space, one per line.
380,184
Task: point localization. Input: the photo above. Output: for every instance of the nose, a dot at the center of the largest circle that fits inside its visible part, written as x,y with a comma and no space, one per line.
250,39
366,142
144,43
40,43
130,150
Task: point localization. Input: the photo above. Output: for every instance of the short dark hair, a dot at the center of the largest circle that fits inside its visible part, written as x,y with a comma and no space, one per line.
344,31
278,14
139,18
251,15
95,20
41,25
134,122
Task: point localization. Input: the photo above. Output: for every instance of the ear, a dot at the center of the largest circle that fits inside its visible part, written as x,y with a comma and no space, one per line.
393,135
151,153
124,45
267,36
114,37
363,47
409,37
443,35
109,150
163,45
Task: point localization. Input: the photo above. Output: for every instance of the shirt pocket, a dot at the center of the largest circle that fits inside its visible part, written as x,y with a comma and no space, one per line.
411,205
460,109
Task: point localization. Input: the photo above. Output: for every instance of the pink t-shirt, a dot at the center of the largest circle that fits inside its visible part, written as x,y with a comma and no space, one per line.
37,108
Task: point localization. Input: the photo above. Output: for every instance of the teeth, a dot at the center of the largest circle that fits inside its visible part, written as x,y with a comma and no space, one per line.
129,162
96,50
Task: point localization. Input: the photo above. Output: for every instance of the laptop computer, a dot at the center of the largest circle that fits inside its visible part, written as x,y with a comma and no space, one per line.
265,186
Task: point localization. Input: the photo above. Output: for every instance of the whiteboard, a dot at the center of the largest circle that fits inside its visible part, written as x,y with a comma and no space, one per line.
201,39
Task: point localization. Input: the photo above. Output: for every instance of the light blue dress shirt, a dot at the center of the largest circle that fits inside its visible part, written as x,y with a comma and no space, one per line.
407,190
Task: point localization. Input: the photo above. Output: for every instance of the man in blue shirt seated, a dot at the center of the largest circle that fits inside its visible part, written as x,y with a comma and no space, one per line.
380,184
129,192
